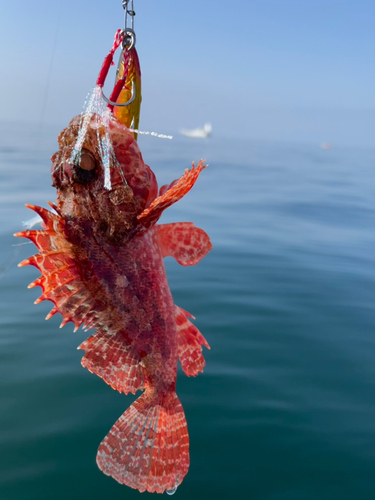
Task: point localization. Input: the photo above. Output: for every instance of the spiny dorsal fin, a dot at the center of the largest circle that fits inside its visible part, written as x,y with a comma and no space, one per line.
108,353
60,280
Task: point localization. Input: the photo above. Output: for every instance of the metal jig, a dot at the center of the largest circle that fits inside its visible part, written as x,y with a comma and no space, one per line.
128,43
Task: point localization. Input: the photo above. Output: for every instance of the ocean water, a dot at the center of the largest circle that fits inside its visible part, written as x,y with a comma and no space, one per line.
285,408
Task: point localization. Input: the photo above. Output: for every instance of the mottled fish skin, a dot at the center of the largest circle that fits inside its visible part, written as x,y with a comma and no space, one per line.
101,258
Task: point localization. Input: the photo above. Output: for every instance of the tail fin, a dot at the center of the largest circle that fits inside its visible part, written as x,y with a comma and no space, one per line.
148,447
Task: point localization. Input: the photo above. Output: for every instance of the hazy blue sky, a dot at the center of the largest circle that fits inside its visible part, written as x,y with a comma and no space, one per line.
269,69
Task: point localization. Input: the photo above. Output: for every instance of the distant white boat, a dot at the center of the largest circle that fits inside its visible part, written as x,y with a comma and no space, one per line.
199,133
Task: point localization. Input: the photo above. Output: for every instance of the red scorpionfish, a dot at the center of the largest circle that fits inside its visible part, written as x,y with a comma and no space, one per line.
101,258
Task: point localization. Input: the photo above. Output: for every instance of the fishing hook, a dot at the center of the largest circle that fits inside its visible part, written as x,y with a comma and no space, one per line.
112,103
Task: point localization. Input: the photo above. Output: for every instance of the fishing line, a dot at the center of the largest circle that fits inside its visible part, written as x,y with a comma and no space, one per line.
9,261
7,264
48,80
154,134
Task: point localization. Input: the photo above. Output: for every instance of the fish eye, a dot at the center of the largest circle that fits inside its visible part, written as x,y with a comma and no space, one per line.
85,168
87,160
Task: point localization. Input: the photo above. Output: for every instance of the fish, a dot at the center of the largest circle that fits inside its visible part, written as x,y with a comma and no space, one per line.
101,256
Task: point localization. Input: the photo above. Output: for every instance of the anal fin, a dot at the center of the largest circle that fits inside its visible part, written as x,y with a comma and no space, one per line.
189,345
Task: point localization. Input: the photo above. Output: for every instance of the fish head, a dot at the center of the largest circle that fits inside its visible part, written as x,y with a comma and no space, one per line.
84,199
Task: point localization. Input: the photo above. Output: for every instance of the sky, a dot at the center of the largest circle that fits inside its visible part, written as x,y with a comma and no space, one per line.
277,70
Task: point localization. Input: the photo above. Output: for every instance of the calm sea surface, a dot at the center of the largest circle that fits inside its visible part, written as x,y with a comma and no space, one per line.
285,409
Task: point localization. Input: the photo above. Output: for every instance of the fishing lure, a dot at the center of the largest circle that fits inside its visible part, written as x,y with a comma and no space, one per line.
101,257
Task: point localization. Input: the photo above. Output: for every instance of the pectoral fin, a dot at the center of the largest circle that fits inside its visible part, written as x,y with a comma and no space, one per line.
184,242
175,192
